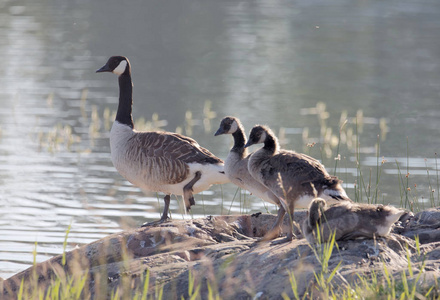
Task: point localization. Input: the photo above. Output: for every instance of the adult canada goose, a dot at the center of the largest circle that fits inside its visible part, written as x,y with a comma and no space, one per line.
348,220
295,178
236,168
157,161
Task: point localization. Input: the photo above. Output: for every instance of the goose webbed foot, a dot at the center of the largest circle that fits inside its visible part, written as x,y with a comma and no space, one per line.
290,235
164,217
155,223
189,201
188,198
287,239
188,189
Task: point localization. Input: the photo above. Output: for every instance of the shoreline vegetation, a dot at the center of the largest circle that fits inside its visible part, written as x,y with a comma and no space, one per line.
219,257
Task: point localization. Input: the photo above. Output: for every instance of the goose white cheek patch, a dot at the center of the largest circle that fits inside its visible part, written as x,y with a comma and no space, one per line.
262,138
233,128
120,68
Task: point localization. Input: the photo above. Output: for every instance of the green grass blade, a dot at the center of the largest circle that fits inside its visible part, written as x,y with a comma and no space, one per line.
333,273
285,296
146,285
293,284
65,245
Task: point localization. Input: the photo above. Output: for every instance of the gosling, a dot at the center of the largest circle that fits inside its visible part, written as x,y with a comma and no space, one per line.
348,221
295,178
236,169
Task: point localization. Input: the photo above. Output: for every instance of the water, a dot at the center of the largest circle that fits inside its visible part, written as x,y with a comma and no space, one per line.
272,62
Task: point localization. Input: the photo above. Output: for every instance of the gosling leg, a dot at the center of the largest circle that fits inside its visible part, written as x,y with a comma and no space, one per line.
290,234
274,232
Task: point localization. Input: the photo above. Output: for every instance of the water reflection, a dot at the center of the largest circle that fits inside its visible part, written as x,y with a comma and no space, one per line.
303,68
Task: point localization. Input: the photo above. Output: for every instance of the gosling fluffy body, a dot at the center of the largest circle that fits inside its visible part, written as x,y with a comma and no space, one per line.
295,178
348,220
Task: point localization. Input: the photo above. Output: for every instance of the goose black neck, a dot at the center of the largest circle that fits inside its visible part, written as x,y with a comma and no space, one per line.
123,115
239,142
271,144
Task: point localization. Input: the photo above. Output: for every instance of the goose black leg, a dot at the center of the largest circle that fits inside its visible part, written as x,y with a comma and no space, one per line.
164,217
188,189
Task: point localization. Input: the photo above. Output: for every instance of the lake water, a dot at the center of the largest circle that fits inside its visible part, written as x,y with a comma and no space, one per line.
301,67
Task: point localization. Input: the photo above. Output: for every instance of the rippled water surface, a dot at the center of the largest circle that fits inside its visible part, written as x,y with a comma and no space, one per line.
302,67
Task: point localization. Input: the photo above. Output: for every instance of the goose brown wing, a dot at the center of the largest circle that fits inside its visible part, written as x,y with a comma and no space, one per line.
192,152
300,167
165,156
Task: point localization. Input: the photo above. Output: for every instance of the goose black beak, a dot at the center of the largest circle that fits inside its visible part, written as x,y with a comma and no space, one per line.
249,143
105,68
219,131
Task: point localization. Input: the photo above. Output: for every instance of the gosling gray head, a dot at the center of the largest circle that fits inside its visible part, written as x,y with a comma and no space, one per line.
228,125
258,135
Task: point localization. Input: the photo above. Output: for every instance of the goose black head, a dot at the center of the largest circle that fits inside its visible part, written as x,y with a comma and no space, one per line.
228,125
258,135
117,65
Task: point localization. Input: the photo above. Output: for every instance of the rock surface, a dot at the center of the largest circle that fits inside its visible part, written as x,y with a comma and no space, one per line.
223,252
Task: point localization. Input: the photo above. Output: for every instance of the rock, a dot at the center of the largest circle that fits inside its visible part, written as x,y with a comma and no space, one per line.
424,224
222,254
